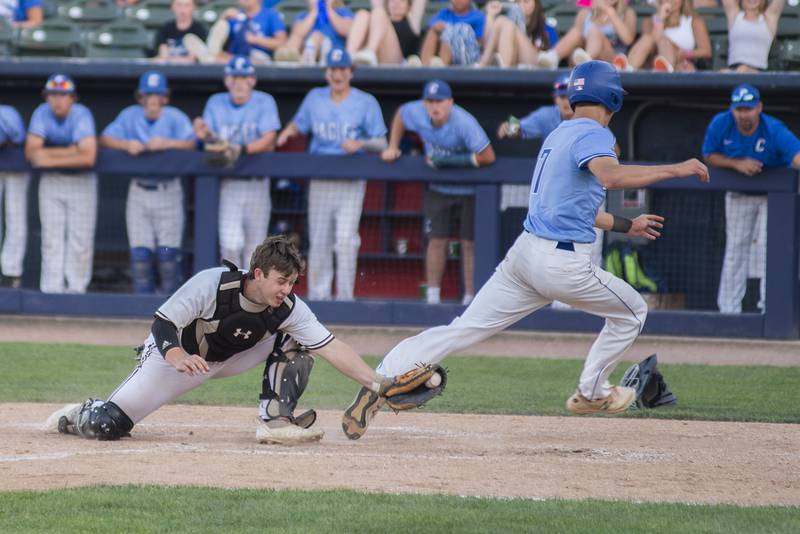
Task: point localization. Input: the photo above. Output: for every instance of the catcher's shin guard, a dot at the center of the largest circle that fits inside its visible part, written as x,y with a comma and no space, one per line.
360,413
285,379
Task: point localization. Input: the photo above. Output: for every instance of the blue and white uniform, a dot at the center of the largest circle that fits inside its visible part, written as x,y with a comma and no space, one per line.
334,206
550,260
67,204
244,204
746,214
14,188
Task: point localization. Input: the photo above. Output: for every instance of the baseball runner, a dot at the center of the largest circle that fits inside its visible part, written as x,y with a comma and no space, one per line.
154,209
453,138
14,188
342,120
551,259
248,121
61,135
223,322
746,140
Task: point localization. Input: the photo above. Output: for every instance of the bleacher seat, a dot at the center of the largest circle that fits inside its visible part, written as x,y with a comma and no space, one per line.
788,28
717,25
118,39
151,13
53,38
89,13
6,38
50,9
209,14
562,16
789,54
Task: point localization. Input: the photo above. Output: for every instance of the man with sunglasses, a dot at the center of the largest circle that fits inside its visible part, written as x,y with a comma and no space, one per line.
746,140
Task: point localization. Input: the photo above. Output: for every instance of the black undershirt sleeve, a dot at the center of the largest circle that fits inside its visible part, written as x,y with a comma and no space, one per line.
165,334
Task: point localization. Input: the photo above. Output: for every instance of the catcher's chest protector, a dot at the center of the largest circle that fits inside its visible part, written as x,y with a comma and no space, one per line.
233,328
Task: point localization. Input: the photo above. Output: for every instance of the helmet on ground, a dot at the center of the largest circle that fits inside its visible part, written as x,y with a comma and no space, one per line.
596,82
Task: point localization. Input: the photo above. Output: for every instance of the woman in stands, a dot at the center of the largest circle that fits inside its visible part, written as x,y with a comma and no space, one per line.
388,33
599,32
752,25
516,33
674,38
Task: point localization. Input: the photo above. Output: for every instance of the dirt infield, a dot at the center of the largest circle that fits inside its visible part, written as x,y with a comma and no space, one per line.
497,456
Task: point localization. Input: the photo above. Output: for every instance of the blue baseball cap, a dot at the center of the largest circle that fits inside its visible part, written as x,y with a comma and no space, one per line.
338,58
436,90
59,83
153,83
745,96
560,86
240,66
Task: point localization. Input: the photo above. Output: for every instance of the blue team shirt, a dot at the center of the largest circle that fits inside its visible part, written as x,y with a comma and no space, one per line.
267,23
772,143
324,26
356,117
565,196
241,124
12,129
131,124
540,123
461,134
473,17
55,131
17,10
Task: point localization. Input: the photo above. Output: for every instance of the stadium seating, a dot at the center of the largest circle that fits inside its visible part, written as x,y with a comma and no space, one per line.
53,38
118,39
151,13
6,38
210,13
89,13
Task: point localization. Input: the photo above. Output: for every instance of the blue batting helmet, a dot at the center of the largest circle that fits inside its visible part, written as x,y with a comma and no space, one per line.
153,83
596,82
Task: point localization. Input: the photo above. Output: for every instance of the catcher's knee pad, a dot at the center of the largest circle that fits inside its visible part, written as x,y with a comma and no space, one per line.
285,378
104,421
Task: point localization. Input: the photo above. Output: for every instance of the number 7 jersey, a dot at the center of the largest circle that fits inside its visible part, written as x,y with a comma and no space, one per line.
565,196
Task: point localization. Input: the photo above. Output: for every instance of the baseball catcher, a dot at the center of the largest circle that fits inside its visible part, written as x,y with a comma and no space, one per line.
652,390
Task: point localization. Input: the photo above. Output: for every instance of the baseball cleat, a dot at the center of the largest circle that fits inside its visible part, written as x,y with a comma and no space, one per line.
280,432
360,412
617,401
62,419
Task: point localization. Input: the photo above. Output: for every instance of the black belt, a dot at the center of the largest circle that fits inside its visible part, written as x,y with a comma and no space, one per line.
566,245
150,186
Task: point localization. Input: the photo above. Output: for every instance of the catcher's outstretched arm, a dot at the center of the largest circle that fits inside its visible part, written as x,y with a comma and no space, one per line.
349,363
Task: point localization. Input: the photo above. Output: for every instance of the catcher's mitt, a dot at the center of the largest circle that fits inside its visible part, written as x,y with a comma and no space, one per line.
652,390
220,153
414,388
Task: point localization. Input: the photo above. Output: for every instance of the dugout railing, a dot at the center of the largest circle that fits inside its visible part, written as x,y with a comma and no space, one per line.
779,321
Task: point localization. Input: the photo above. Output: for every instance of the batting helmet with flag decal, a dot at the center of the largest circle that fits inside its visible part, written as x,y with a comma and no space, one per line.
596,82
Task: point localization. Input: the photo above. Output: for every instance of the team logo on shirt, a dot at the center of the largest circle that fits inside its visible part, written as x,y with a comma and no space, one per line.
245,335
760,144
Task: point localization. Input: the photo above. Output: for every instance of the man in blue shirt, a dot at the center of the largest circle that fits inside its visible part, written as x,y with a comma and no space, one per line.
22,13
454,36
452,138
61,135
551,259
341,120
746,140
154,209
14,190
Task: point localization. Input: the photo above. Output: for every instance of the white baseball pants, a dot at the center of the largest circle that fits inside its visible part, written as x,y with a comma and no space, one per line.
244,209
533,274
745,224
14,188
334,213
68,213
155,216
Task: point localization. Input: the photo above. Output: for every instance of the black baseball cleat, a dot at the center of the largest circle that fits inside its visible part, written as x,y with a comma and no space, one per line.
360,412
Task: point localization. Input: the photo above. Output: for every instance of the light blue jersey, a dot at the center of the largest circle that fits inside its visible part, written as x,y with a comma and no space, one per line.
565,196
461,134
12,129
241,124
540,123
131,124
356,117
55,131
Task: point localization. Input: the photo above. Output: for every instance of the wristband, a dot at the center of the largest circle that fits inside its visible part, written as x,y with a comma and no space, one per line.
455,161
621,225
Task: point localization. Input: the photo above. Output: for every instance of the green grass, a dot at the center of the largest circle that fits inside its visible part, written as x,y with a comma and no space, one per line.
181,509
64,373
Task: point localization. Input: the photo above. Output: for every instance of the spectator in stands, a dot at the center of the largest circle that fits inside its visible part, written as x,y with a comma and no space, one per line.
455,36
169,40
746,140
61,135
248,120
341,120
453,139
672,39
15,187
516,33
154,209
22,13
317,31
752,25
599,32
252,30
388,34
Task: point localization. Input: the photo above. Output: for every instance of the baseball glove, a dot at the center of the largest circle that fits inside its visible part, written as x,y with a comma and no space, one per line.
414,388
220,153
652,390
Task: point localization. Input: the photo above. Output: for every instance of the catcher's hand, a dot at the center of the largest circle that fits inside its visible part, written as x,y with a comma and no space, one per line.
414,388
220,153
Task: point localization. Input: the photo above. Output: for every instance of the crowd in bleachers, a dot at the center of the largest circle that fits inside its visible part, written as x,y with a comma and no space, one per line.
665,35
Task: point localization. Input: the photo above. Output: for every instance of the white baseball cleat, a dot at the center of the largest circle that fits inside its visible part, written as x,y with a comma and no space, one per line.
280,432
70,411
617,401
